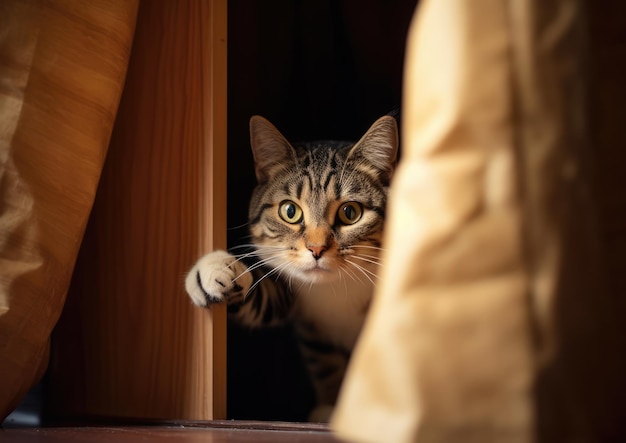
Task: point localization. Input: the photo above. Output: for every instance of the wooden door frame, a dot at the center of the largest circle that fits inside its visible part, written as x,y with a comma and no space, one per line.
130,344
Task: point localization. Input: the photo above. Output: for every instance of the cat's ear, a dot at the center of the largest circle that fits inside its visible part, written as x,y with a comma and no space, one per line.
378,148
271,150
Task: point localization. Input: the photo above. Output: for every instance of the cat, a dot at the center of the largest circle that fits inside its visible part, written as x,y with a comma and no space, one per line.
316,219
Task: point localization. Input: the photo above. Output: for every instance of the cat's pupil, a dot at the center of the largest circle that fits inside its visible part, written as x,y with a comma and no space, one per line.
291,211
349,212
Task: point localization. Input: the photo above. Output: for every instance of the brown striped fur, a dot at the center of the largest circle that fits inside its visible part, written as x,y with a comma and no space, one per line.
316,219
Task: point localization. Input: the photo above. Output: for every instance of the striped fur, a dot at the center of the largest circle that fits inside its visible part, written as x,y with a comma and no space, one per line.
316,219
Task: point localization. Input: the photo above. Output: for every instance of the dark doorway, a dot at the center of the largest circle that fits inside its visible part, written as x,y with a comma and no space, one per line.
317,70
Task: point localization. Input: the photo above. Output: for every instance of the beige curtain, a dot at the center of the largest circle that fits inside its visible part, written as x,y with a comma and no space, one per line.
62,69
491,322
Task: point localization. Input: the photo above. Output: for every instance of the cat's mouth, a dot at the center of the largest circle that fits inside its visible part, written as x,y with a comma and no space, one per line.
318,268
318,272
309,270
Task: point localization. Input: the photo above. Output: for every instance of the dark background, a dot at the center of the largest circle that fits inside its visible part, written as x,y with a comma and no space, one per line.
317,70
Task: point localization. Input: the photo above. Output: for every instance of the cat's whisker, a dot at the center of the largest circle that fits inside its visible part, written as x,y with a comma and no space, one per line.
342,278
241,257
346,268
290,282
363,269
368,260
281,269
351,274
244,245
258,246
375,257
345,282
379,248
255,249
256,265
366,272
342,272
263,277
243,225
246,237
258,250
251,253
262,263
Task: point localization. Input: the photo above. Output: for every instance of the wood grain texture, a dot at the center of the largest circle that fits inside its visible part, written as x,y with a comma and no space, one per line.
130,343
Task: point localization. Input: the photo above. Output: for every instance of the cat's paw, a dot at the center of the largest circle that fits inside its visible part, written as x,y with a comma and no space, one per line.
215,278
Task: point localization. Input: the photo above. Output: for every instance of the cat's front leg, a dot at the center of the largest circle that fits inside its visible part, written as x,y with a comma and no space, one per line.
216,278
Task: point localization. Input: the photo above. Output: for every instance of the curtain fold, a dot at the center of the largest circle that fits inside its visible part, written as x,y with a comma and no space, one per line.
62,69
491,304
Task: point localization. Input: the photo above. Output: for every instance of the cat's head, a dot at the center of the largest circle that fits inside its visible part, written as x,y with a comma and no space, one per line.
317,212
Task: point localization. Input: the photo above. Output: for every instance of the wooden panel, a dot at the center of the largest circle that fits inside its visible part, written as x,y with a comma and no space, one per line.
130,344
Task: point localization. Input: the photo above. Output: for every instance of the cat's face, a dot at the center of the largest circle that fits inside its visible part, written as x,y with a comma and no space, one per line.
318,211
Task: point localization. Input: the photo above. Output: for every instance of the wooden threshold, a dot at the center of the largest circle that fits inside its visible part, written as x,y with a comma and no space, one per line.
215,431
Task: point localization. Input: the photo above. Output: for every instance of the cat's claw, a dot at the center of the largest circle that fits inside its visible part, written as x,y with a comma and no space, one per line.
215,277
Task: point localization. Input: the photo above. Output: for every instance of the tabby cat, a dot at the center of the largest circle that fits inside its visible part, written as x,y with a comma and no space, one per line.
316,220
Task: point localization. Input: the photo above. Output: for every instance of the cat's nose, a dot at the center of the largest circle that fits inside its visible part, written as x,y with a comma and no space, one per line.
316,250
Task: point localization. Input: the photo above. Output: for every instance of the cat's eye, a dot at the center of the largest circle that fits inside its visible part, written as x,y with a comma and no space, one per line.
290,212
349,213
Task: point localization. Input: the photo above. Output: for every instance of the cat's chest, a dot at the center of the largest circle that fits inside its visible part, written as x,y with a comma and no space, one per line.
337,309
